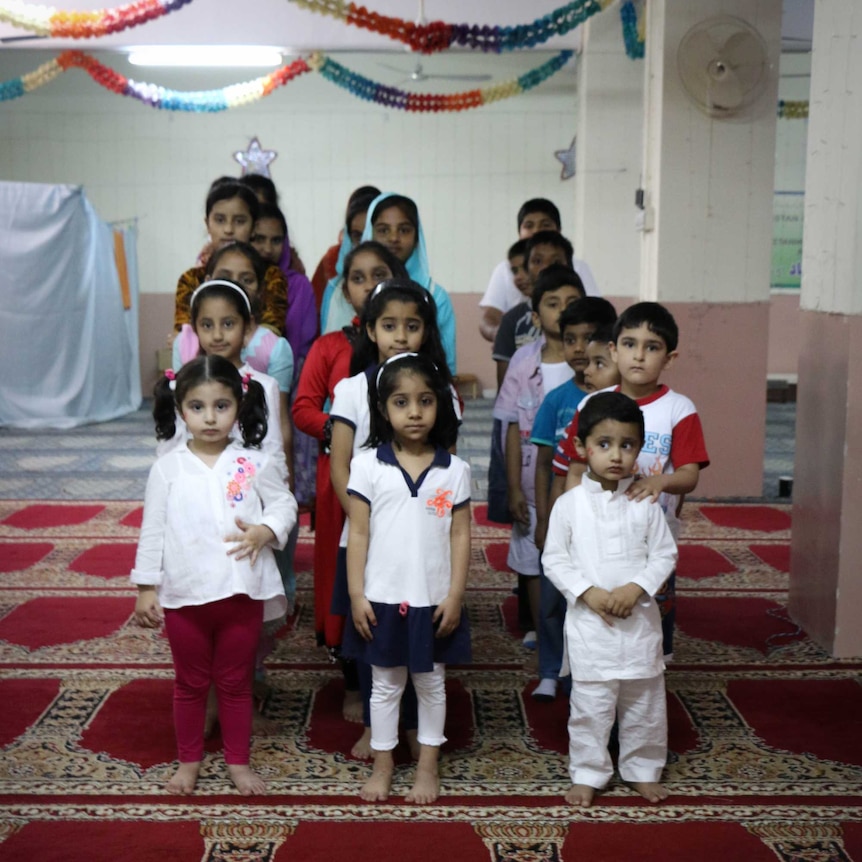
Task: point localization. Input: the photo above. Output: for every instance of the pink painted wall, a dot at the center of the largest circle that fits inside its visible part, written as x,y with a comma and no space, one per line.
826,545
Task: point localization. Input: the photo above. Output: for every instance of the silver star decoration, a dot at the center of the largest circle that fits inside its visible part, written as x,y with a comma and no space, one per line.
567,157
255,160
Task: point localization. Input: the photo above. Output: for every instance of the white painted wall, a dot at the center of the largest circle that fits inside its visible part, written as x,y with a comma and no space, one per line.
468,172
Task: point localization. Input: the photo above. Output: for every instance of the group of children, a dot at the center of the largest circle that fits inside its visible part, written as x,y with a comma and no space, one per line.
587,436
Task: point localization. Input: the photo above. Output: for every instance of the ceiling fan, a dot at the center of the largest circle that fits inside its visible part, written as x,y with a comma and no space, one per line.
418,75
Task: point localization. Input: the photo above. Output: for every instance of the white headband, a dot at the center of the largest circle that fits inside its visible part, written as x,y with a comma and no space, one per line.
396,358
223,283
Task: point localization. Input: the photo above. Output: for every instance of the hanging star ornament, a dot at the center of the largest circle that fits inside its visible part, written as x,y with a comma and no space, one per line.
255,159
567,157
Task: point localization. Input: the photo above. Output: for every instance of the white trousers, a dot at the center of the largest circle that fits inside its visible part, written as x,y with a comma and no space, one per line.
640,707
387,686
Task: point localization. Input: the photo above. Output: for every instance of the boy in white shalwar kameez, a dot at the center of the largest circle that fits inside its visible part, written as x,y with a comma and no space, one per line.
609,555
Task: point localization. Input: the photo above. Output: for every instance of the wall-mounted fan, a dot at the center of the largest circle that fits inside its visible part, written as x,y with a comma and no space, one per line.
723,65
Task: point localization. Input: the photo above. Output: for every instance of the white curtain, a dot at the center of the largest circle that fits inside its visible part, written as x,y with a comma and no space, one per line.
68,346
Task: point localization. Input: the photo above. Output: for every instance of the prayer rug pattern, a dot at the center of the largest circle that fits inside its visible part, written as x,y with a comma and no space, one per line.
766,760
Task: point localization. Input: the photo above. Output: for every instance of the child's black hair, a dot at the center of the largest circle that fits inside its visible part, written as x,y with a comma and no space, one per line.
359,201
268,210
609,405
226,190
589,309
518,249
365,352
554,277
603,335
221,288
539,205
657,319
251,415
554,239
444,433
262,187
397,268
258,264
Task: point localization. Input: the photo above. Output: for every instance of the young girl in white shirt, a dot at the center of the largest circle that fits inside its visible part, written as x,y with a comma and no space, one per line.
214,508
407,556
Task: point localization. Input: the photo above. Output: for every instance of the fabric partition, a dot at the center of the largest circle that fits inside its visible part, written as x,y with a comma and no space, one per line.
68,317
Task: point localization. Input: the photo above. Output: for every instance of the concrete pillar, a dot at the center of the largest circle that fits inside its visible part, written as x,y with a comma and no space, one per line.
826,574
706,246
609,156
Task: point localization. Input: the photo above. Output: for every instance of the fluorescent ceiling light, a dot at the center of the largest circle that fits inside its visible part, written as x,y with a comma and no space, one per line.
205,55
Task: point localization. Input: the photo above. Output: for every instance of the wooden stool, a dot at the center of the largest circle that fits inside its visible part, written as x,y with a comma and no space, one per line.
465,383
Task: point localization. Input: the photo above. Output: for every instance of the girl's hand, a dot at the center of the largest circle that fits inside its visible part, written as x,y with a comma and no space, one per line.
518,508
147,611
250,539
449,614
363,617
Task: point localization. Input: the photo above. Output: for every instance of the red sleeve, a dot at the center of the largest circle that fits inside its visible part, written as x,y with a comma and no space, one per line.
565,452
687,443
313,388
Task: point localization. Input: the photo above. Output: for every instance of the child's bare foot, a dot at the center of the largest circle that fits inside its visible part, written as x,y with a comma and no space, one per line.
377,788
652,791
580,795
184,779
426,786
351,709
413,744
362,747
245,779
211,719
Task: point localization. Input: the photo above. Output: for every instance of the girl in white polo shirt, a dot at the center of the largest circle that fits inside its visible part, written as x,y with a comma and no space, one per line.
408,551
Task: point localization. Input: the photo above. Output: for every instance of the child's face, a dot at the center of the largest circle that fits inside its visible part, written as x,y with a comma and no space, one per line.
209,410
575,341
268,239
398,329
411,409
611,451
220,329
367,270
519,273
542,256
601,371
641,356
551,306
394,230
229,221
357,227
235,266
534,222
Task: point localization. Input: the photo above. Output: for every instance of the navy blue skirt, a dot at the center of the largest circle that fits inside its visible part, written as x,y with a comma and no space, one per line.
340,604
407,640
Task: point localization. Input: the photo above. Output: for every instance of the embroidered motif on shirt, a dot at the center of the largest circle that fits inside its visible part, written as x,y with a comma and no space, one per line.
240,481
440,504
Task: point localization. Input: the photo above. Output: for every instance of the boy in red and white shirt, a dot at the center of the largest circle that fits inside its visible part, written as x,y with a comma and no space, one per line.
645,339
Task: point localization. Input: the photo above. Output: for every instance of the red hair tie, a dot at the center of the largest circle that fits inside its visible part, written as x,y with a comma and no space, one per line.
171,376
246,379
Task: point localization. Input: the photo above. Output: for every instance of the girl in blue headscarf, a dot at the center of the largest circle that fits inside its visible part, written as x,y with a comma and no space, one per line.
393,220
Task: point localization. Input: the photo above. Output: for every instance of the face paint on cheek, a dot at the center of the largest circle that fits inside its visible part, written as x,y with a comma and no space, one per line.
590,451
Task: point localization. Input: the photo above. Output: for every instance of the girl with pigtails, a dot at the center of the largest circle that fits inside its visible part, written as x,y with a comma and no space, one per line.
214,509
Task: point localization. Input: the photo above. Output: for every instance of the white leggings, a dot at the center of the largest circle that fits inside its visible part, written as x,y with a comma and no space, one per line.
641,709
387,686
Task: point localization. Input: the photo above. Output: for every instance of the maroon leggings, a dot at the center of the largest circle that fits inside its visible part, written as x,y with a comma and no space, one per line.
214,644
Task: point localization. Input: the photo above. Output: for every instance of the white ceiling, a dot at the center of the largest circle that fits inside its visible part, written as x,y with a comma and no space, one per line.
284,24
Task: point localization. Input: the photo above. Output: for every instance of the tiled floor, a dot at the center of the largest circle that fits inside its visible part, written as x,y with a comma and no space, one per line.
110,461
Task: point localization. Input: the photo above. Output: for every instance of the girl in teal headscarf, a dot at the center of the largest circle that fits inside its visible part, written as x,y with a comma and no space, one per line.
393,220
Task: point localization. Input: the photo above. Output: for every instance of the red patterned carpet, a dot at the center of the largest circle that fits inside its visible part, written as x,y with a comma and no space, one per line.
765,735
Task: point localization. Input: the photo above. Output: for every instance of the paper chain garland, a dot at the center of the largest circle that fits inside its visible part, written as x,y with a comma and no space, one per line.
47,21
633,31
440,36
242,94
